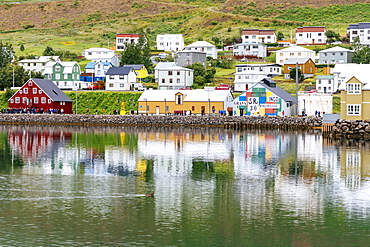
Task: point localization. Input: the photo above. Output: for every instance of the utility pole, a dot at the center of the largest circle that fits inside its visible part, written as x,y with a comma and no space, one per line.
296,85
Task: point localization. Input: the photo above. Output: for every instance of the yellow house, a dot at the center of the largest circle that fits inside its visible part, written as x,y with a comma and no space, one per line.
355,99
199,101
140,70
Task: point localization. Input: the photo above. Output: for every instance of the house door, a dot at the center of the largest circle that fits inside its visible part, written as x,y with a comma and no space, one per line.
157,110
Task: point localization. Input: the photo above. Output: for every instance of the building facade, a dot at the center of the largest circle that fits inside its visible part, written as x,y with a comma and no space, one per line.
98,54
294,52
41,95
310,36
37,65
173,78
95,71
122,39
325,84
335,55
305,65
203,46
360,30
258,36
170,42
187,58
66,75
120,78
250,50
140,70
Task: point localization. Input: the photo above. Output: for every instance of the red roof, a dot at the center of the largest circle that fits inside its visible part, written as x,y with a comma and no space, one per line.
310,29
257,32
128,35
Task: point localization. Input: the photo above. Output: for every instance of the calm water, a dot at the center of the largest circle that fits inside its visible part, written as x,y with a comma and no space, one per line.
85,187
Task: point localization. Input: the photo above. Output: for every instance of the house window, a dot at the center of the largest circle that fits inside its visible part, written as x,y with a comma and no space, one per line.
319,34
268,37
163,80
17,100
353,109
43,100
354,88
178,72
34,90
354,32
121,85
121,77
65,76
57,76
110,84
253,36
319,81
30,83
36,100
178,99
169,72
178,80
57,68
25,90
12,101
170,80
111,77
329,81
49,101
246,37
24,100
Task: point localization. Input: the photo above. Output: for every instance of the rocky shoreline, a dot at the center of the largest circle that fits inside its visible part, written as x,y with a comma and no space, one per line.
229,122
351,129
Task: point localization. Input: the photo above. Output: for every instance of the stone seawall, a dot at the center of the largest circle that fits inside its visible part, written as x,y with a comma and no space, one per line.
234,122
351,129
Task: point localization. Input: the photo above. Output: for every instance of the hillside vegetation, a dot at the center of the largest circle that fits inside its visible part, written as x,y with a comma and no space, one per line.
79,24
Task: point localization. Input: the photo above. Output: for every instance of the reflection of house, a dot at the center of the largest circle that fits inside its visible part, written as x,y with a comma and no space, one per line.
335,55
293,52
310,36
186,58
203,46
195,101
140,70
305,65
37,65
325,84
265,98
250,50
120,78
247,75
355,95
174,77
258,36
170,42
41,94
122,39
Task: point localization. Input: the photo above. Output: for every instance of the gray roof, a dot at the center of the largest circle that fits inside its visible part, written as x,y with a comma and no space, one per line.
361,25
119,70
277,90
294,60
135,66
51,90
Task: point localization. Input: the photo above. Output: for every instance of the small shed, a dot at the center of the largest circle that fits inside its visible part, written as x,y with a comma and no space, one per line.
41,95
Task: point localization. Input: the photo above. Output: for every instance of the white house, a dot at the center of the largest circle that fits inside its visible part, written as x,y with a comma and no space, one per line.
203,46
335,55
258,36
294,52
37,65
162,65
325,84
309,103
174,77
250,49
361,30
120,78
98,54
310,36
125,38
170,42
247,75
342,72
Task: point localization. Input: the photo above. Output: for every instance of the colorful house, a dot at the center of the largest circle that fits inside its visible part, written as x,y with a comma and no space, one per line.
95,71
306,65
266,99
199,101
40,94
140,70
66,75
354,98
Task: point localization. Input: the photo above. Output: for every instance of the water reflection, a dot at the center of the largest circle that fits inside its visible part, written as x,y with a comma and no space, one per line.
232,186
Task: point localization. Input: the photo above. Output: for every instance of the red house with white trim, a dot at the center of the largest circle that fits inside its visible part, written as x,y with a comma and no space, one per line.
126,38
41,94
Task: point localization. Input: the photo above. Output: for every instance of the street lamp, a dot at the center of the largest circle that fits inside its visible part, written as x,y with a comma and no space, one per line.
209,107
165,107
76,102
119,107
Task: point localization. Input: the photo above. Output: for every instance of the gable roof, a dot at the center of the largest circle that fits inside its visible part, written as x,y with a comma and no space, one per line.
201,44
361,25
119,70
299,60
296,49
50,89
197,95
135,66
68,67
174,68
310,29
276,90
349,69
336,49
161,65
257,32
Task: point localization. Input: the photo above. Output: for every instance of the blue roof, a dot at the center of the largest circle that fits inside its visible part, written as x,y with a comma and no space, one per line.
90,65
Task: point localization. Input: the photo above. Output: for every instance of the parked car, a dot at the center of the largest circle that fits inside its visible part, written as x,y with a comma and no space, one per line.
141,88
92,87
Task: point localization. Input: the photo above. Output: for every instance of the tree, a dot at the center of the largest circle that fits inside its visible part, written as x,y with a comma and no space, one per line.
292,74
6,54
21,47
280,36
361,53
49,51
332,36
202,75
137,53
